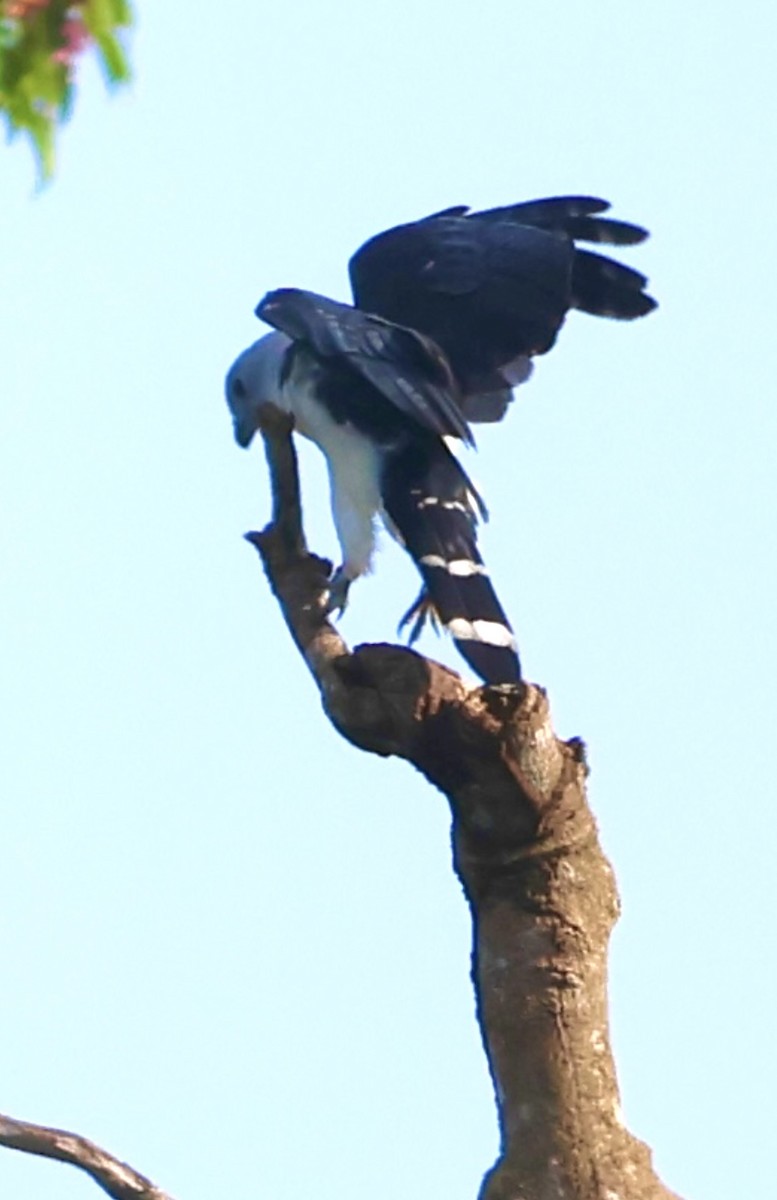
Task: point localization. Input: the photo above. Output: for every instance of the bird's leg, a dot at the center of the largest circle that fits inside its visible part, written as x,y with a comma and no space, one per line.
420,611
337,593
354,477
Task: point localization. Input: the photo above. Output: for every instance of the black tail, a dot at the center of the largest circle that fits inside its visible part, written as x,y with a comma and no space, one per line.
428,497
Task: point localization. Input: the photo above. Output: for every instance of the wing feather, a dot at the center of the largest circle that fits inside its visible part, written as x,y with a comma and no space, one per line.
491,286
408,369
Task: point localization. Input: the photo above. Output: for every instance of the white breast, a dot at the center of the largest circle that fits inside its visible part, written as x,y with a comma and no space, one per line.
354,474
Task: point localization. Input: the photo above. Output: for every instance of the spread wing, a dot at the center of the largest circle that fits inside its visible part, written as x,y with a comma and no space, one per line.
492,287
407,368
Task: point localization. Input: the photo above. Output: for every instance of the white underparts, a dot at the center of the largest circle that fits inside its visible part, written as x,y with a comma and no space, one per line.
490,632
354,476
455,566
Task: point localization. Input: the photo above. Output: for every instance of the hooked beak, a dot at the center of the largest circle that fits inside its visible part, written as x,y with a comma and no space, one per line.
243,432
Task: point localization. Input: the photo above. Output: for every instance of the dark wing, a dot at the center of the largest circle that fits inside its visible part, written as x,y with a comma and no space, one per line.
574,215
490,287
486,291
599,285
607,288
408,369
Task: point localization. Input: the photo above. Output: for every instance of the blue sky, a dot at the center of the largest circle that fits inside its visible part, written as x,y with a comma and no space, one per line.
224,957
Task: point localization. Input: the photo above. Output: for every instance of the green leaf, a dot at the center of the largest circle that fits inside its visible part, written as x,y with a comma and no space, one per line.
9,33
46,82
42,131
49,23
114,60
98,17
36,90
123,11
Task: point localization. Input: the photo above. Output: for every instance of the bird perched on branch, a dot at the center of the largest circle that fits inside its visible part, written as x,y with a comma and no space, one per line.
379,400
450,311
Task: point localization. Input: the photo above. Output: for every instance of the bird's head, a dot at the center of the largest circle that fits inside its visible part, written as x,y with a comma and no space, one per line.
253,381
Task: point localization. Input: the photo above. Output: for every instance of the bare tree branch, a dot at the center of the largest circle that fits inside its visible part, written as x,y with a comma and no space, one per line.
114,1177
542,895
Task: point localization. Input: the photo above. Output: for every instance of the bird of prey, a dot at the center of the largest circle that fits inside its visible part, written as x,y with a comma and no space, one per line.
379,400
449,312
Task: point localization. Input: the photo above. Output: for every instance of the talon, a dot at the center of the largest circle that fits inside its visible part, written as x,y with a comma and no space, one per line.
337,593
421,610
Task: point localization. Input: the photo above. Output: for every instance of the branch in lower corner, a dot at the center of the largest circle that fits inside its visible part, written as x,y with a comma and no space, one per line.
119,1180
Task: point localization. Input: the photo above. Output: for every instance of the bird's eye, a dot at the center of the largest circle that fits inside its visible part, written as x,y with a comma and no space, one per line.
239,389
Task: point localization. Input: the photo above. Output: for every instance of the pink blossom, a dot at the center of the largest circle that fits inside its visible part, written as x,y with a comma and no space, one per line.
75,37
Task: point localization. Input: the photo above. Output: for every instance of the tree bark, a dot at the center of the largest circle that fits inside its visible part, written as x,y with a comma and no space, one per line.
115,1177
525,848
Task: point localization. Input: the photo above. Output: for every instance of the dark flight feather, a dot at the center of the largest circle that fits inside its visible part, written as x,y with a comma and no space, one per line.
408,369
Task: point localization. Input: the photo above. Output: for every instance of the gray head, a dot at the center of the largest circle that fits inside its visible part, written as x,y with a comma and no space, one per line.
253,381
